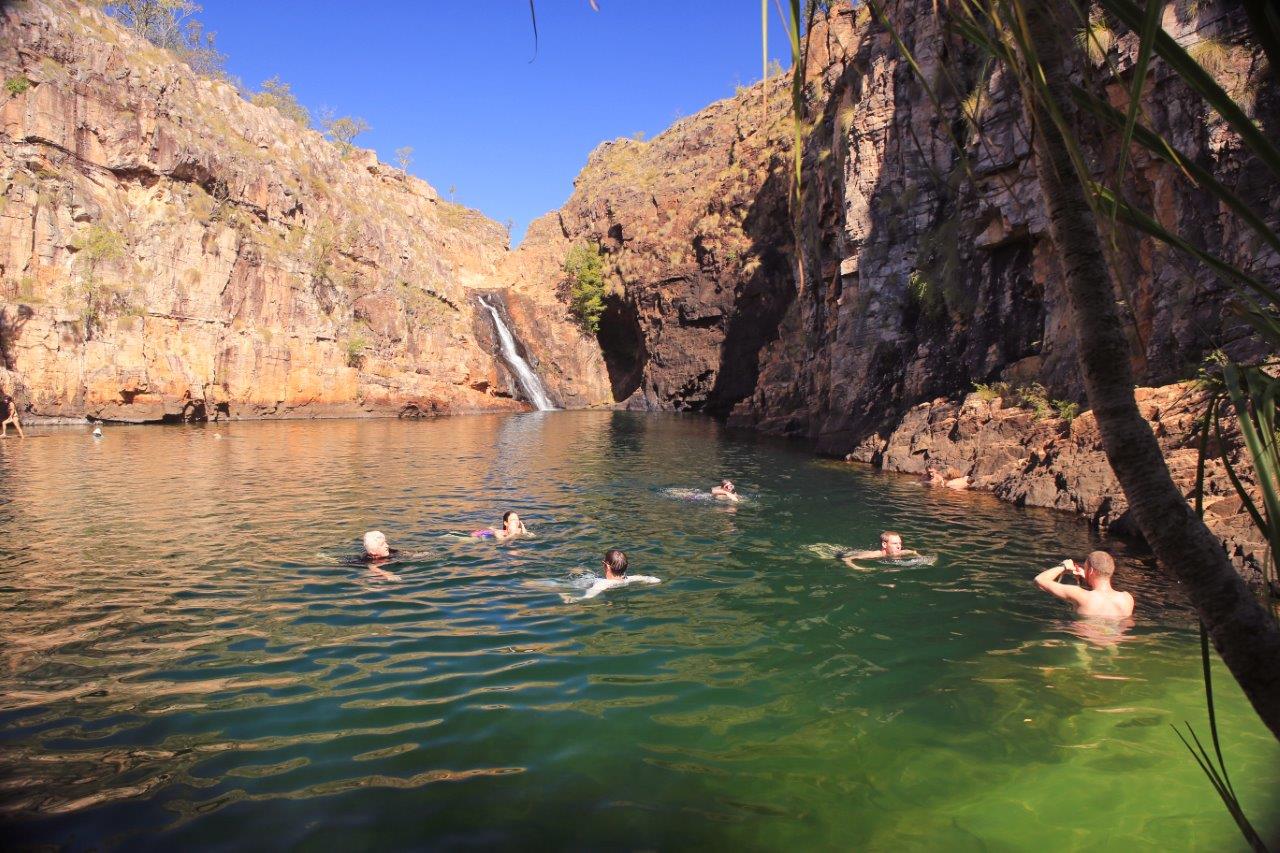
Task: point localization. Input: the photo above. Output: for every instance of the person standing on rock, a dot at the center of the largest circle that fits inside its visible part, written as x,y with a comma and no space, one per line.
9,415
1094,597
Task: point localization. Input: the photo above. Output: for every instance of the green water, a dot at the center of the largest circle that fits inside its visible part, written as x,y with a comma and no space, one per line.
189,664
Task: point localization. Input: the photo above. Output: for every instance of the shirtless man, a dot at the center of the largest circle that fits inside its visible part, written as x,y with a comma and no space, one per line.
890,547
1095,597
725,491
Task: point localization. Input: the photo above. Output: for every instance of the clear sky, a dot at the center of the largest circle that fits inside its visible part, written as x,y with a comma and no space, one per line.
452,78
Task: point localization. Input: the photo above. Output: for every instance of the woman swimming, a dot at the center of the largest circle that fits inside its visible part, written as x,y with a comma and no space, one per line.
725,491
512,528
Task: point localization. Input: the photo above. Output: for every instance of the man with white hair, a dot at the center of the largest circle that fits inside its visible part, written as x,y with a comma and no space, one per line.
376,548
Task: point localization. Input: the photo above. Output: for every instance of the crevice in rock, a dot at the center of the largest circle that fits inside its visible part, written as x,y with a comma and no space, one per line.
622,343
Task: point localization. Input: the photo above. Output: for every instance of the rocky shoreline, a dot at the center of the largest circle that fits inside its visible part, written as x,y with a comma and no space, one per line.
1044,460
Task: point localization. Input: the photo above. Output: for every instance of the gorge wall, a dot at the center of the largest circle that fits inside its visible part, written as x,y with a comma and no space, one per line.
923,262
914,277
169,250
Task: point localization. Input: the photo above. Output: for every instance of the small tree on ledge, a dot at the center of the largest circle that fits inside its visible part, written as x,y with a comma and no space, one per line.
584,267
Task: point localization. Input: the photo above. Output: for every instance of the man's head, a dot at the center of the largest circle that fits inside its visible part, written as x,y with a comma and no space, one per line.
1099,564
375,544
615,563
510,521
891,543
727,485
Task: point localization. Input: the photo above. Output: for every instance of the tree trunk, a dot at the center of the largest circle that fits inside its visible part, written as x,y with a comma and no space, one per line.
1243,632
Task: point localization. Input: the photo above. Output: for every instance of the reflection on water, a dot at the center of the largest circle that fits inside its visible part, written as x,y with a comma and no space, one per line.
189,661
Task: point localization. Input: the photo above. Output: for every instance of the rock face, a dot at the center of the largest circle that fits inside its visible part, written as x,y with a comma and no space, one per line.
169,250
924,262
919,259
922,276
1040,459
693,228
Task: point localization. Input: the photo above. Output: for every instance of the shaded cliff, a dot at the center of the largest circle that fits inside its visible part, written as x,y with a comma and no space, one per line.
921,278
692,227
919,261
168,249
915,276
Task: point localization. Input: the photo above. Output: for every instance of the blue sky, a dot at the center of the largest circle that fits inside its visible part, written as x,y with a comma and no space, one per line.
452,78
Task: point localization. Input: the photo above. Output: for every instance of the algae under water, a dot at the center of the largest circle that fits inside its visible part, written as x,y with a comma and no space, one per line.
190,663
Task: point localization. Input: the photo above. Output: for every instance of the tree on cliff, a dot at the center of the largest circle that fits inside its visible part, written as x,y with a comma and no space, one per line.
278,95
172,25
342,129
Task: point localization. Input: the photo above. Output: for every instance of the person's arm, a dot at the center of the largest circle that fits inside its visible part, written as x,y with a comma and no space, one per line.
848,557
1048,581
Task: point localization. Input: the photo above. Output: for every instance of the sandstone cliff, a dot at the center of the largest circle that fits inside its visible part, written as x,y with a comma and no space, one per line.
922,267
920,277
914,277
168,250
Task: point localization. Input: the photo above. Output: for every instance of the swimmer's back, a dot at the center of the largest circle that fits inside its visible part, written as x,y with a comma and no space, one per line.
1113,605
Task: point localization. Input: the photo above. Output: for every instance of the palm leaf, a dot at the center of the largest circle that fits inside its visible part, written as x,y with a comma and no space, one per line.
1162,148
1202,82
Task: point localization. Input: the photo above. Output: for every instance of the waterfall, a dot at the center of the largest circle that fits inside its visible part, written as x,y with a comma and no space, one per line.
528,380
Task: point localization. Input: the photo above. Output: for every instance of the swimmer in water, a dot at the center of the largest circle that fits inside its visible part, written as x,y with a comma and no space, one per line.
935,476
725,491
1094,597
512,528
615,574
376,550
890,548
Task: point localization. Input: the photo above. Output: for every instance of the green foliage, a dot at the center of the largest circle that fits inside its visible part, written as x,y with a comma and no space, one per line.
98,245
277,95
356,346
172,25
342,129
1211,55
584,267
988,392
1096,40
925,295
1030,396
1067,411
17,85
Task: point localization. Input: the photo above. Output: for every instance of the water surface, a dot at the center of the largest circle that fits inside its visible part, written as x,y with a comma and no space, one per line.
190,663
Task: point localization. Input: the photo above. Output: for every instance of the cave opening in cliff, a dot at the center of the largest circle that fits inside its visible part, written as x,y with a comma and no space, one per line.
622,344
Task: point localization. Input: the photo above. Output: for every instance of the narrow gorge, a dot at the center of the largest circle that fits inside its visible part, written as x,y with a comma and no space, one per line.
170,251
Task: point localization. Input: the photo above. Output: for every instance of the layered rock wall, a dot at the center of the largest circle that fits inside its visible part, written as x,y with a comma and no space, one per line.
168,249
925,270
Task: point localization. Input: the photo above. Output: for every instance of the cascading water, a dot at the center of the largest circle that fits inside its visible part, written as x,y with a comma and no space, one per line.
528,380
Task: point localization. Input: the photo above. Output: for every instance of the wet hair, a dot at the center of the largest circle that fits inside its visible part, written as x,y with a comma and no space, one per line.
616,561
1101,562
889,533
727,485
507,515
